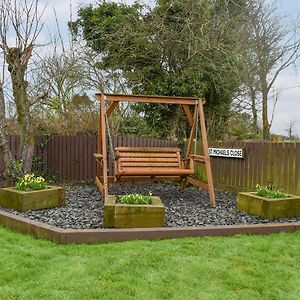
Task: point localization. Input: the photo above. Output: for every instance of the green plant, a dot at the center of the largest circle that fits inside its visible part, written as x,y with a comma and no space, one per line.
37,166
31,182
135,199
269,191
16,169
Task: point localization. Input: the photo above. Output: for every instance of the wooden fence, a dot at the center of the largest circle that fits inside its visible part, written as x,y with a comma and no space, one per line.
264,162
70,158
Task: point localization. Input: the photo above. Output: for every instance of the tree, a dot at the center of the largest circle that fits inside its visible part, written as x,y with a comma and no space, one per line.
4,143
290,130
270,45
22,20
183,48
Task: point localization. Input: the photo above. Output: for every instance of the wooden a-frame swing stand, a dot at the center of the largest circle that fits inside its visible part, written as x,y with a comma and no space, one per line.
140,162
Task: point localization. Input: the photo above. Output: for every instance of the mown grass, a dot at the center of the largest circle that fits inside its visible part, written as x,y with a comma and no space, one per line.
239,267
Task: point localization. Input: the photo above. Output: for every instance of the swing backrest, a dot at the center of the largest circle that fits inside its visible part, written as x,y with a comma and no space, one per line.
149,161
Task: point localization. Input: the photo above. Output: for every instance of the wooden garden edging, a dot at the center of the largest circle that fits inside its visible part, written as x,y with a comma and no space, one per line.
94,236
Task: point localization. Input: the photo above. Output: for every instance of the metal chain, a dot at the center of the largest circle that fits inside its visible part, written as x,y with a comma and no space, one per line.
110,139
197,127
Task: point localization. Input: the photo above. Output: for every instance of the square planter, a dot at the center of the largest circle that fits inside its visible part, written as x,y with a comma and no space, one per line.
31,200
132,215
269,208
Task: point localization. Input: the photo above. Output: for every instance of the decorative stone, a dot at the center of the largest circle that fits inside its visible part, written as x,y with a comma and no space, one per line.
32,200
133,215
269,208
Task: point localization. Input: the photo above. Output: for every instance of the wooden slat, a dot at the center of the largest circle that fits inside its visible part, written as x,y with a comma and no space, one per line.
155,171
146,149
149,159
149,154
293,177
296,175
148,164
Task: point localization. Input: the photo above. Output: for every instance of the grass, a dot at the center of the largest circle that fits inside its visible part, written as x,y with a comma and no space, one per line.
239,267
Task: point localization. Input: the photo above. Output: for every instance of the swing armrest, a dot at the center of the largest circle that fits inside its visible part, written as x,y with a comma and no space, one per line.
189,160
198,158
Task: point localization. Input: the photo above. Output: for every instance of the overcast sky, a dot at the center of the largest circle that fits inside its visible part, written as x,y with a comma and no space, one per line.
288,83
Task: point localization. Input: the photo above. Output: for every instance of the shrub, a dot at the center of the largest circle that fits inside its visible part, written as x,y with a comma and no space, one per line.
31,182
135,199
269,191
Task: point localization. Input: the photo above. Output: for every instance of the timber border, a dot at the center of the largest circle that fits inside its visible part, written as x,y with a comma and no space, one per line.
96,236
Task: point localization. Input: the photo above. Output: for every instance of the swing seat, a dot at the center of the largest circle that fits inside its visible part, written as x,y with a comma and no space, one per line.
149,161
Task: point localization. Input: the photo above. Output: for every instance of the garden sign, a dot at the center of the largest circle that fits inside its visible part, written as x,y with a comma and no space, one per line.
226,152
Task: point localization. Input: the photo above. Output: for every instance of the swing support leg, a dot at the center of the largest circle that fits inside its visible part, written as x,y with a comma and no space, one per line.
211,190
101,177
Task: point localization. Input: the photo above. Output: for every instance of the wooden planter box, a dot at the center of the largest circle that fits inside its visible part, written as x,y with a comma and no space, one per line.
133,216
269,208
31,200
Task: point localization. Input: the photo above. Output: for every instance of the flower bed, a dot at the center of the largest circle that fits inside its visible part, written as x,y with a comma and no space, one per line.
31,200
183,207
123,215
269,208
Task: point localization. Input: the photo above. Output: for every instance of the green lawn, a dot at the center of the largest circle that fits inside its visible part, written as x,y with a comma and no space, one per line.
240,267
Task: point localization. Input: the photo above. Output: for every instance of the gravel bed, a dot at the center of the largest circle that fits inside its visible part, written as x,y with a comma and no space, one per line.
188,207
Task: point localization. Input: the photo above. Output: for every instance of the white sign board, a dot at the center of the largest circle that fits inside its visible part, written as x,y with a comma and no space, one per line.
226,152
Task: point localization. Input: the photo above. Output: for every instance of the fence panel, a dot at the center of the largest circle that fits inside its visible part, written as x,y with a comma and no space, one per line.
264,162
71,159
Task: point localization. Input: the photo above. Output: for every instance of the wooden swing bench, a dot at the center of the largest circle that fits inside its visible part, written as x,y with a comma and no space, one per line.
138,162
150,161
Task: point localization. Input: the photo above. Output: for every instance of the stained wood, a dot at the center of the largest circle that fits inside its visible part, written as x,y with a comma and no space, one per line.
188,114
211,190
153,165
148,164
155,171
198,158
99,185
104,149
146,149
112,107
192,134
148,99
92,236
198,183
148,159
272,161
145,154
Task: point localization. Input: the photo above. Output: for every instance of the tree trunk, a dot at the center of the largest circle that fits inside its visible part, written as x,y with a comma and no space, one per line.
17,61
254,111
266,125
4,143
